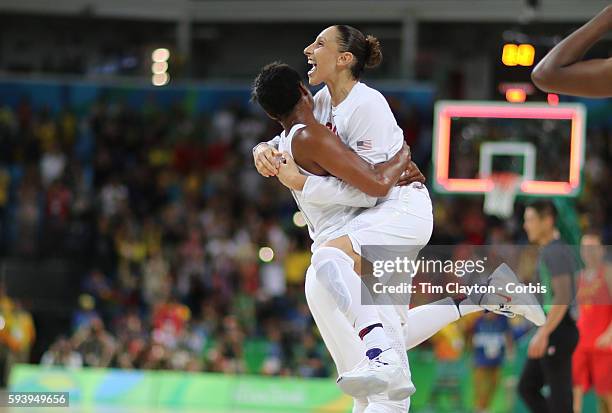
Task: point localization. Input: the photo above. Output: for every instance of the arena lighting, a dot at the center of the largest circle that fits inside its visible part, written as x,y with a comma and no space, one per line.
516,95
159,67
298,219
160,79
526,55
160,55
266,254
518,55
509,54
526,86
445,112
553,99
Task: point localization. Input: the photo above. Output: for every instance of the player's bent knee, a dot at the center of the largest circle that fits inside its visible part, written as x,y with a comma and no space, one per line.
329,253
324,261
329,275
314,291
345,245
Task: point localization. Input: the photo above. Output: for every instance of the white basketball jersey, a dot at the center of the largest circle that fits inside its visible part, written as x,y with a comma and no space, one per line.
363,120
322,220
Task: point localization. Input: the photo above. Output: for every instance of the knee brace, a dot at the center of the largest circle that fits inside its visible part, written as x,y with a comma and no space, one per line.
325,261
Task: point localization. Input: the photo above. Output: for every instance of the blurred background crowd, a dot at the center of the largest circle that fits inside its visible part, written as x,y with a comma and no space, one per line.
172,217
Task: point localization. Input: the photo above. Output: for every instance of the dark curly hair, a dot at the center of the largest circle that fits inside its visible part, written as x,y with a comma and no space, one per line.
276,89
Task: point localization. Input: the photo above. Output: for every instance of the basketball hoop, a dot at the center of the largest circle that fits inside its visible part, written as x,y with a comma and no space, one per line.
499,201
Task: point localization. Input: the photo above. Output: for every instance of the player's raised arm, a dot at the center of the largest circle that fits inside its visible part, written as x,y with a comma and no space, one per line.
322,190
320,145
325,190
563,71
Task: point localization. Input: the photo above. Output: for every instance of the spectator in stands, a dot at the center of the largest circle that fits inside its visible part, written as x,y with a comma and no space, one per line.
58,208
227,355
169,319
17,334
113,196
85,314
52,164
61,353
23,332
99,288
95,344
155,277
27,215
275,356
310,358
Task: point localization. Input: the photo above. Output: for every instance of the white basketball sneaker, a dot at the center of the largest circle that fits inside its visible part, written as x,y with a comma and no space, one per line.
381,371
511,303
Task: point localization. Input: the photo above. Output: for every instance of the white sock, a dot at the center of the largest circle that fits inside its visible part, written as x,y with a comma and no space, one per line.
424,321
376,338
334,270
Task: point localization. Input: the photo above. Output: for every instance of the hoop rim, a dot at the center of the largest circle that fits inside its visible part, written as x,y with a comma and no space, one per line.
506,181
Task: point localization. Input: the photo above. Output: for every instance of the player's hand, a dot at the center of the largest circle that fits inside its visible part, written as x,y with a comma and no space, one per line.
411,174
266,160
604,341
538,345
406,150
289,174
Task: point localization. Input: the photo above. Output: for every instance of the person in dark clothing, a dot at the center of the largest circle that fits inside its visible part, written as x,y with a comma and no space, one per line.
551,347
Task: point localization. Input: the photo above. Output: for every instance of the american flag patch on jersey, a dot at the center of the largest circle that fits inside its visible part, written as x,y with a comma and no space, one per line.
364,145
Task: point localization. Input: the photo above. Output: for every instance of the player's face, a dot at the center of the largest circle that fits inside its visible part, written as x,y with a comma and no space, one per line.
533,225
591,250
323,55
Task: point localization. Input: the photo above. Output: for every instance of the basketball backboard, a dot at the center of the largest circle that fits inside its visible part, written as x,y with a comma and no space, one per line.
543,144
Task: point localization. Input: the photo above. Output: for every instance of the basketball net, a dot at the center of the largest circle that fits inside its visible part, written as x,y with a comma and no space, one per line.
500,200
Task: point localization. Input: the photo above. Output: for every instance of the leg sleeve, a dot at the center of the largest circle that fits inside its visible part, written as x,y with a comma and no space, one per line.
345,347
424,321
338,335
334,270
